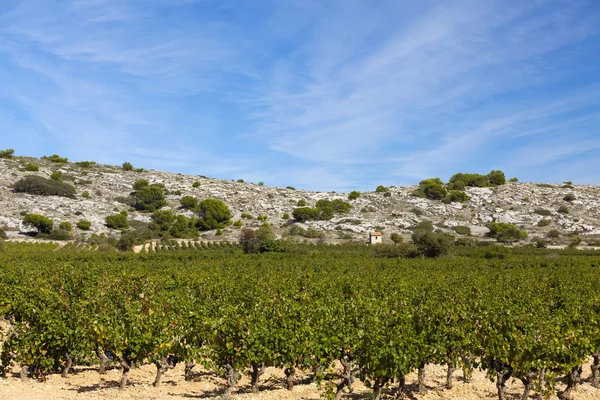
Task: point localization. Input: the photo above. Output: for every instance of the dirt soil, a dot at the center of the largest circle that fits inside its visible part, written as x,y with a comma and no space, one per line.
86,383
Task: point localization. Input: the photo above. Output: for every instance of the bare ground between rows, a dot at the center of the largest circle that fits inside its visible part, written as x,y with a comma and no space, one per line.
86,383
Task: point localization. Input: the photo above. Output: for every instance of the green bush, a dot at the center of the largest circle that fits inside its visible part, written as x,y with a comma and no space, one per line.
290,188
396,238
86,195
85,164
426,226
117,221
462,230
249,241
40,222
188,202
212,214
544,222
432,189
303,214
496,178
417,211
3,234
553,234
514,179
400,250
7,153
238,223
286,216
381,189
149,198
455,196
127,166
65,226
55,158
505,232
247,216
432,244
459,181
196,184
542,211
328,208
301,203
541,243
353,195
563,210
261,184
32,167
262,217
45,187
387,194
569,197
219,232
240,181
140,184
84,225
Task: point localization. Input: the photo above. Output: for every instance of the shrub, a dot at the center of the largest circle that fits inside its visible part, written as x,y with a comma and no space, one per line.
86,194
541,243
496,178
542,211
455,196
55,158
40,222
189,202
247,216
65,226
261,184
286,216
149,198
400,250
432,244
514,179
85,164
387,194
249,241
213,214
505,232
462,230
303,214
117,221
417,211
219,232
553,234
473,180
563,209
2,234
140,184
196,184
301,203
262,217
353,195
271,196
45,187
426,226
240,181
328,208
84,225
238,223
7,153
127,166
569,197
396,238
290,188
32,167
381,189
432,189
574,242
544,222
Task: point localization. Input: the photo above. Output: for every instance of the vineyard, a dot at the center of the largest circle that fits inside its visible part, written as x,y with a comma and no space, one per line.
341,316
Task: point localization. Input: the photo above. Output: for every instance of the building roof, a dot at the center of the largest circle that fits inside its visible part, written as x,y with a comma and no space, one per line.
376,234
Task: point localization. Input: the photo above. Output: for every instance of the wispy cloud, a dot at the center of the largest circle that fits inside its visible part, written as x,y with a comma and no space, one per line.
315,94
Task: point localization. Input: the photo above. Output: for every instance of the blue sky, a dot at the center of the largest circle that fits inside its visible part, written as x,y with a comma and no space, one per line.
322,95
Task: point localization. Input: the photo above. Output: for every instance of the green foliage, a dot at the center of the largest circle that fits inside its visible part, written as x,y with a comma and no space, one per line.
541,243
426,226
353,195
65,226
542,211
460,180
462,230
514,179
166,224
84,225
86,194
189,202
7,153
262,217
296,230
569,197
432,189
247,216
290,188
56,176
432,244
575,241
301,203
496,178
238,223
417,211
40,222
117,221
553,234
261,184
396,238
140,184
196,184
399,250
149,198
563,210
219,232
85,164
303,214
387,194
286,216
3,235
240,181
44,187
544,222
32,167
55,158
212,214
505,232
381,189
127,166
455,196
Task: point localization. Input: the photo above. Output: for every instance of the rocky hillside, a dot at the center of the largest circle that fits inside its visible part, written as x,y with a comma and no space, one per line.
523,204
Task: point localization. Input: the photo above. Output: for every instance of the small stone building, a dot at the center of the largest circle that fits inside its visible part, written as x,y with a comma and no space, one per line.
375,238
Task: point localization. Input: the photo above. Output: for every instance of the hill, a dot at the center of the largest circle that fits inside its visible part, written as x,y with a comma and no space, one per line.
102,190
